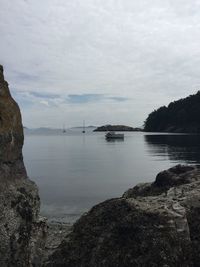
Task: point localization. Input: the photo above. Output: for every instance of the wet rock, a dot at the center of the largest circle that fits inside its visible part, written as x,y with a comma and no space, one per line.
174,176
154,224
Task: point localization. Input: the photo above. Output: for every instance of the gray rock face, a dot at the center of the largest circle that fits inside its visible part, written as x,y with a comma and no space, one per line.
11,131
22,233
155,224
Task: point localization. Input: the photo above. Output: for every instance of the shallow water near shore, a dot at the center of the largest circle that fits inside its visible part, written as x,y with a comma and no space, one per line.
75,171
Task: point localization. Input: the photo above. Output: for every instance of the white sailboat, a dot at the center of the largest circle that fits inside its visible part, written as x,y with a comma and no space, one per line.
83,131
64,130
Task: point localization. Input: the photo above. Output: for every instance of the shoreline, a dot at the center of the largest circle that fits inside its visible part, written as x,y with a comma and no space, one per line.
150,224
56,233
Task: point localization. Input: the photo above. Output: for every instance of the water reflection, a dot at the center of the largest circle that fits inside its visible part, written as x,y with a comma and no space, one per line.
114,140
184,148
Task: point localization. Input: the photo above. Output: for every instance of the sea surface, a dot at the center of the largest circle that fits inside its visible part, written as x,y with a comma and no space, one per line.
75,171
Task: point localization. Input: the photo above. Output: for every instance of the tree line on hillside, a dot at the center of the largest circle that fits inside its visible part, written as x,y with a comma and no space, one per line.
179,116
121,128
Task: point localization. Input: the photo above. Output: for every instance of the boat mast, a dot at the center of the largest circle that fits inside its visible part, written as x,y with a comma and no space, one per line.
64,131
83,131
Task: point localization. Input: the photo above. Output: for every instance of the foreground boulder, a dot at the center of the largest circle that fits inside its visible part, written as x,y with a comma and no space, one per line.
153,224
22,232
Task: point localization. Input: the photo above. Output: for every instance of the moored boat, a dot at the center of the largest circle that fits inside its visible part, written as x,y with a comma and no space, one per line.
113,135
83,131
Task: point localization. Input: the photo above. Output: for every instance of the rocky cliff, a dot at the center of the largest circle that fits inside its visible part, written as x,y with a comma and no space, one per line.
152,224
22,232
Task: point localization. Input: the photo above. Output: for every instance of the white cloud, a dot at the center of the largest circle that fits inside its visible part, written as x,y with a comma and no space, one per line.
44,102
147,51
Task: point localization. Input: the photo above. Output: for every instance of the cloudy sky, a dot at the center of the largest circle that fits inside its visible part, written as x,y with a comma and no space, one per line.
102,61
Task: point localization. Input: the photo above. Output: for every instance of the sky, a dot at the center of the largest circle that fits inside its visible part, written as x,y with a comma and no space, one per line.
102,61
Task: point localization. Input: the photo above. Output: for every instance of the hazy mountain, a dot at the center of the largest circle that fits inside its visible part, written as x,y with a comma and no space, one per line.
56,131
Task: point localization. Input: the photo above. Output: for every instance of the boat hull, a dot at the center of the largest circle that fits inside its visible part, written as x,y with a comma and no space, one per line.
111,136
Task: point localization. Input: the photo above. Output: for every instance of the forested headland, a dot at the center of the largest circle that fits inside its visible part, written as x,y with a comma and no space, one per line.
179,116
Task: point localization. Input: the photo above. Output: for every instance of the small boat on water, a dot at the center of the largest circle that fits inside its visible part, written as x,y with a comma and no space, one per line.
64,130
112,135
83,131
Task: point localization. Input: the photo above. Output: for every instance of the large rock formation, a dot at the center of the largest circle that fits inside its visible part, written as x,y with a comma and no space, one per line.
152,224
22,233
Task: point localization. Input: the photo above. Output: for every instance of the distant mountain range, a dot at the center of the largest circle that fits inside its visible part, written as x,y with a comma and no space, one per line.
91,128
179,116
81,127
47,130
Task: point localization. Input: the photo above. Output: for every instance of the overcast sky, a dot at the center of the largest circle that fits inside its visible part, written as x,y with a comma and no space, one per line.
102,61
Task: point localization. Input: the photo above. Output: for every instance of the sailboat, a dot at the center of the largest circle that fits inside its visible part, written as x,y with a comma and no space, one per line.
64,131
83,131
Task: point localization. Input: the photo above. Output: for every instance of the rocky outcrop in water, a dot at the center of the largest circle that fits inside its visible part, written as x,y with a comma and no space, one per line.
152,224
22,231
117,128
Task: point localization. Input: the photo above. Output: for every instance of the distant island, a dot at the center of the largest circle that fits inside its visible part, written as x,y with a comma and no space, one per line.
55,131
181,116
117,128
86,127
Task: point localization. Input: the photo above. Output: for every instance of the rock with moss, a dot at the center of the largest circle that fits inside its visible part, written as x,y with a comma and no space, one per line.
22,231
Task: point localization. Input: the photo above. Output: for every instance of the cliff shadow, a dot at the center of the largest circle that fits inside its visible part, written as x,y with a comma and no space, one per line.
178,148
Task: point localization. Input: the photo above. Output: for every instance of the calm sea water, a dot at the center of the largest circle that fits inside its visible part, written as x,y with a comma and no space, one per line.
74,171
